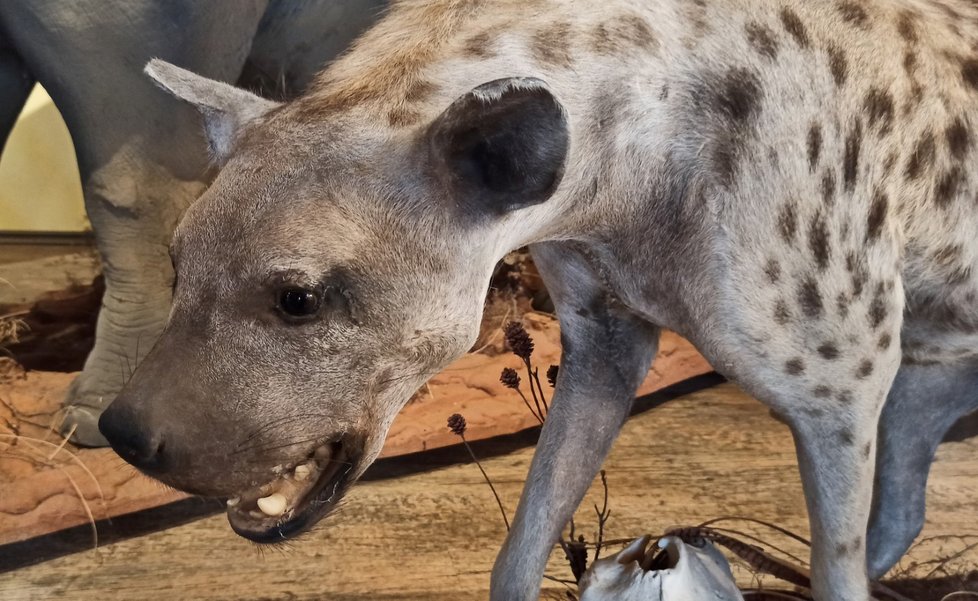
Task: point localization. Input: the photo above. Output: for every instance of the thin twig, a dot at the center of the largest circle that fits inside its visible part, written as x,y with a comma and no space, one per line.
603,516
488,481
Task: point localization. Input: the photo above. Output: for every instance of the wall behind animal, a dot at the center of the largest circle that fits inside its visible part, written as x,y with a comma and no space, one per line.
40,189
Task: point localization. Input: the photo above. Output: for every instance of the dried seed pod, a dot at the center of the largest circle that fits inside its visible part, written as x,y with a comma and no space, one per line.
456,423
519,340
510,378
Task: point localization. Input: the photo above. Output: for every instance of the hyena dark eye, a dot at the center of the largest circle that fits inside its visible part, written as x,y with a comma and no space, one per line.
299,302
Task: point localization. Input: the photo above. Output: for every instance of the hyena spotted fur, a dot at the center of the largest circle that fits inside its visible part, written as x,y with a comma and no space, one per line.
787,183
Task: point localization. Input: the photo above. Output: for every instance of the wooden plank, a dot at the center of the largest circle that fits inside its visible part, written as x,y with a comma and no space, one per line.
41,486
433,536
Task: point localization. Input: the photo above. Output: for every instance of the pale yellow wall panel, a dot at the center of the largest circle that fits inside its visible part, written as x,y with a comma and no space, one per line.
40,189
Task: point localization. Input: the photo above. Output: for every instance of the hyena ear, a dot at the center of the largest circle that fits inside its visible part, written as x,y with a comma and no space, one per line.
226,109
501,146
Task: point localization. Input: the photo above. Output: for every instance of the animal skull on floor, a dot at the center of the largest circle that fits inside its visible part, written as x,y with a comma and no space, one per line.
695,573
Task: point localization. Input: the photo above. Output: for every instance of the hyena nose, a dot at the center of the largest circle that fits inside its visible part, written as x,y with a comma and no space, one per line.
132,440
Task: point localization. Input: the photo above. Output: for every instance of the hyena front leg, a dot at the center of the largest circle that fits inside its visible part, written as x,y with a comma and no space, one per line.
606,355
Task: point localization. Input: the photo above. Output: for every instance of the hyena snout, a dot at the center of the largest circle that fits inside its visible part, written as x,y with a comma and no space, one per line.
135,440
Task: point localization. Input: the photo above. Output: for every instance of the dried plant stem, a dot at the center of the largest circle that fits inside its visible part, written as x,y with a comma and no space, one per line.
543,398
533,391
526,402
603,514
499,501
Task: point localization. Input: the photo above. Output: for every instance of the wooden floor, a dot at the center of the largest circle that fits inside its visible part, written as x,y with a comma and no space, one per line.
433,535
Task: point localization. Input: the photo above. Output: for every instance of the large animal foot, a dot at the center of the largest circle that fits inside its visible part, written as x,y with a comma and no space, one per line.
121,341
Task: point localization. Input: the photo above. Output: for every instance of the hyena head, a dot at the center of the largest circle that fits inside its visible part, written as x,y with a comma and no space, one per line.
331,268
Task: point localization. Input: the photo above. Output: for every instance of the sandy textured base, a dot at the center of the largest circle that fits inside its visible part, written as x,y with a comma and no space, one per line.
43,481
433,536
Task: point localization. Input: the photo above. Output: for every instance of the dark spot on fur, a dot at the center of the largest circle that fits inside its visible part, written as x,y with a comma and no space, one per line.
622,35
879,109
725,158
794,26
402,117
794,367
788,223
889,163
838,65
877,309
829,351
478,45
773,271
842,304
737,102
910,63
958,139
907,27
810,298
739,96
846,437
601,40
865,369
782,314
885,341
845,397
814,145
822,392
922,156
867,450
969,72
818,241
828,187
850,164
419,91
877,216
854,13
637,32
762,39
551,45
947,187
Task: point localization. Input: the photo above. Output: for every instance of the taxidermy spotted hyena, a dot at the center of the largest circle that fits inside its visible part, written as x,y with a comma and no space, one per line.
787,183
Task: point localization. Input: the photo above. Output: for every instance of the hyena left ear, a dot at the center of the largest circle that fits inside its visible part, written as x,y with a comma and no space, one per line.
226,109
501,146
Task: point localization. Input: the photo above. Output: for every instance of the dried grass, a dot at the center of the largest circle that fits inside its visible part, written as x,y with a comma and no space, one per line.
11,326
45,454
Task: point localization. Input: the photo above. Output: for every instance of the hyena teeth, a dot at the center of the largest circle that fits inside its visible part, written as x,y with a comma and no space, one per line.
302,472
273,505
234,501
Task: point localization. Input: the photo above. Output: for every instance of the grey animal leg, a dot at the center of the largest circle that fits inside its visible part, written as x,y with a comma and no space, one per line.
923,404
835,461
15,86
141,156
606,354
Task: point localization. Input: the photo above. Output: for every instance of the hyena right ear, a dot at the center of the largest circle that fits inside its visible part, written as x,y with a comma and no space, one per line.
501,146
226,109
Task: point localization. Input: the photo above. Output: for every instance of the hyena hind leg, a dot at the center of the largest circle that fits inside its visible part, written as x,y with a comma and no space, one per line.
922,405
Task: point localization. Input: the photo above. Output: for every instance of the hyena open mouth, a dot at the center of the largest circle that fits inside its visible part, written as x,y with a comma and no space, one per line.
303,493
